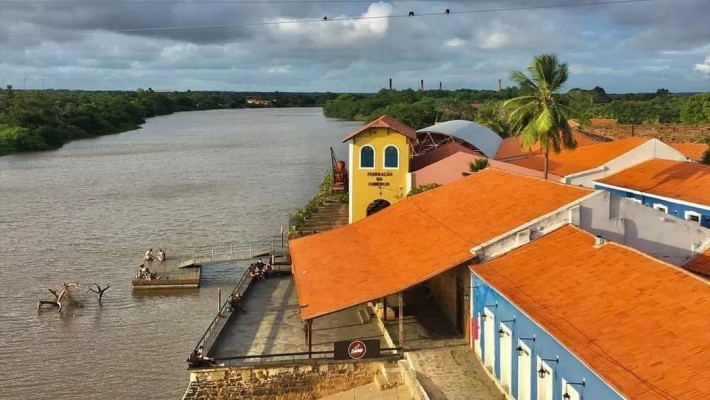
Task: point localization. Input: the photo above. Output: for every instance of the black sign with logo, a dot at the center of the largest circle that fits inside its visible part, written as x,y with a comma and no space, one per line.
356,349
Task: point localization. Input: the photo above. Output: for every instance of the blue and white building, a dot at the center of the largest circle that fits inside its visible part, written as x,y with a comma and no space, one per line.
568,316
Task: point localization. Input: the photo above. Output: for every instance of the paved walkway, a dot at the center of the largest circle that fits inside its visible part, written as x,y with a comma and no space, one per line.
452,373
446,366
271,324
371,392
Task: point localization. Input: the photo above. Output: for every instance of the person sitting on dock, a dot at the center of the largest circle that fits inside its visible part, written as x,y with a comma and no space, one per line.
143,272
254,271
202,360
235,302
148,255
161,255
268,270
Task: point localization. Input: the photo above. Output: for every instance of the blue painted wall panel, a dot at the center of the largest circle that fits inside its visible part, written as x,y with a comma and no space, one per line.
675,209
545,346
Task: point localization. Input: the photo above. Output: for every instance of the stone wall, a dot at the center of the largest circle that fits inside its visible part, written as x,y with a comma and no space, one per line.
668,133
311,380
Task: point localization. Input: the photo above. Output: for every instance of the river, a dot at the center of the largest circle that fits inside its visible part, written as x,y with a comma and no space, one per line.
88,211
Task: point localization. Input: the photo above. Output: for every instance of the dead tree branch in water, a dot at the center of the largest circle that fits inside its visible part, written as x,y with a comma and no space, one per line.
99,291
57,302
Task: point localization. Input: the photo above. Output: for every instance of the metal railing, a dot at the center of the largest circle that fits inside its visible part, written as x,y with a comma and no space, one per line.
230,251
386,352
223,309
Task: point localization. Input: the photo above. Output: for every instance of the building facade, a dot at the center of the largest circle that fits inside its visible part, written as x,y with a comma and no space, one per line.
681,189
516,356
379,166
571,316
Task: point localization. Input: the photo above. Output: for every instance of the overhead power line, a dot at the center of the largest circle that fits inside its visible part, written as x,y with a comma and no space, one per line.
327,20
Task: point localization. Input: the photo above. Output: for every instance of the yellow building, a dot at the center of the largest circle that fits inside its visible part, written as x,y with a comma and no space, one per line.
379,166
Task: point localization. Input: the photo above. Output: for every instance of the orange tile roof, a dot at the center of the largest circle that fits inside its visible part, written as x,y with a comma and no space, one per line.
440,153
694,151
581,159
385,121
673,179
700,264
641,324
416,238
511,147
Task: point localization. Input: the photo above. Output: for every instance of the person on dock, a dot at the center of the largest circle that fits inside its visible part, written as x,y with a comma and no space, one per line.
148,255
268,270
254,271
235,302
202,360
161,255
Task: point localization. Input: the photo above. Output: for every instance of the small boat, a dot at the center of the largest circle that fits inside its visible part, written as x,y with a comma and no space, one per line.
169,274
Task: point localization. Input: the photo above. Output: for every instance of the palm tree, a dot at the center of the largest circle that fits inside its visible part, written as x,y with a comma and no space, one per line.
478,164
540,114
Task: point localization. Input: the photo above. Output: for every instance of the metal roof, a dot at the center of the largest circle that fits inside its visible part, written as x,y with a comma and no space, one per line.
474,133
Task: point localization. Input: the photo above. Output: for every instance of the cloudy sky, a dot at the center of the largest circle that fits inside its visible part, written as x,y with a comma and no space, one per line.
264,45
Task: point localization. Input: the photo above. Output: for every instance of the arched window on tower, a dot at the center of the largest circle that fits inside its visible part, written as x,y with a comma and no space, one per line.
367,157
391,157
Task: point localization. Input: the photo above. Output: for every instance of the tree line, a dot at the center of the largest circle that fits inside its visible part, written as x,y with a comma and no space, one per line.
419,109
43,120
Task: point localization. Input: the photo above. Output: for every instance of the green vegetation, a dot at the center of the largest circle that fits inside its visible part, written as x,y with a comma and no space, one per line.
540,114
422,188
477,165
42,120
419,109
298,218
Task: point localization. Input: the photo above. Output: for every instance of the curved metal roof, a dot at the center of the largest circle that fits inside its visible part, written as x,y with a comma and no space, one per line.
482,137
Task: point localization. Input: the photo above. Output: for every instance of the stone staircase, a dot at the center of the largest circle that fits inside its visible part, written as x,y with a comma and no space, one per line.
328,216
388,376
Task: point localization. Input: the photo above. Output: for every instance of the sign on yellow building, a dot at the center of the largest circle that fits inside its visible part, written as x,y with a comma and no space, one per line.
379,166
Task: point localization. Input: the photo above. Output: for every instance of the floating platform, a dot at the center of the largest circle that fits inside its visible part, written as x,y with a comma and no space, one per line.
172,274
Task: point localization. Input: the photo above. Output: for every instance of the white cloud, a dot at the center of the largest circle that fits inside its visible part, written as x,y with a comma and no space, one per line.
338,30
455,42
495,40
704,67
278,69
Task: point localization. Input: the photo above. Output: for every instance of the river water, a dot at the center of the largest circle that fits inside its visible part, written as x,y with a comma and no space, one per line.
88,211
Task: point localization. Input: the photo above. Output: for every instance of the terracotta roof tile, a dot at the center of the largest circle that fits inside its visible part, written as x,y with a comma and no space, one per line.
700,264
641,324
440,153
673,179
583,158
694,151
512,148
416,238
385,121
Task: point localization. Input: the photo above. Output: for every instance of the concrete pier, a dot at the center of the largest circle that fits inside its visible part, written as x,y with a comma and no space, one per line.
270,324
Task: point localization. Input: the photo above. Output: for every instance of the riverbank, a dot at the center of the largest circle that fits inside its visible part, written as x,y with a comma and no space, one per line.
46,120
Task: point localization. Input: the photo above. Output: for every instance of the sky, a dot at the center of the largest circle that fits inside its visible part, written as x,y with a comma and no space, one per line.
265,45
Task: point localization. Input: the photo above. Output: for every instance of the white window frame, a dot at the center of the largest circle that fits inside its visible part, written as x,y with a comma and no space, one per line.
374,157
384,157
660,207
690,213
635,200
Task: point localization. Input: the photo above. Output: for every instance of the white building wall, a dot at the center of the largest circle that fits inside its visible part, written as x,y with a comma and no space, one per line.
650,231
653,148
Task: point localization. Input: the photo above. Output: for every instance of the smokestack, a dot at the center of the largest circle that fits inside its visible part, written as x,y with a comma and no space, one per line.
421,85
499,84
390,83
439,85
